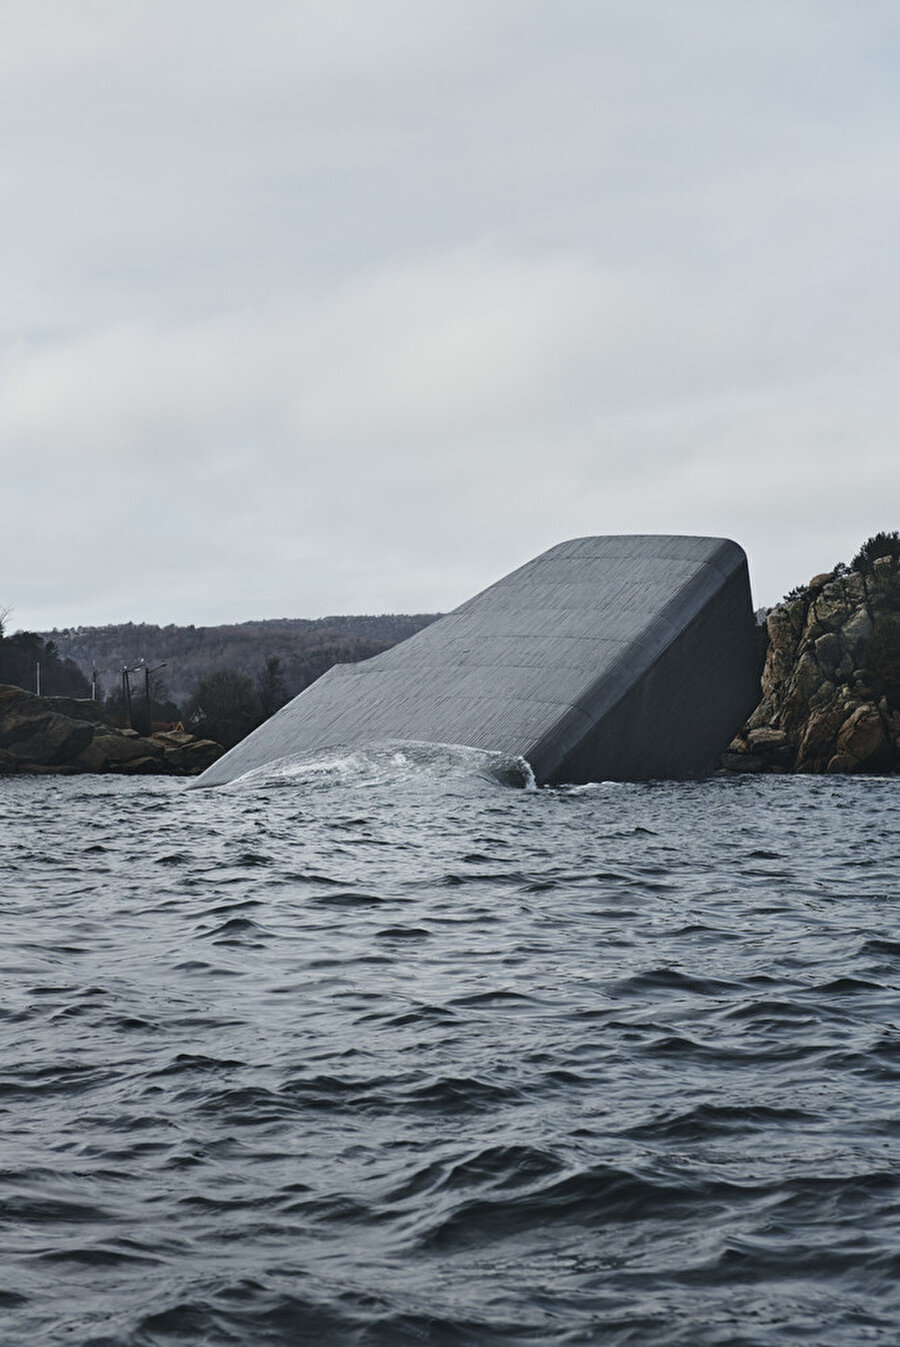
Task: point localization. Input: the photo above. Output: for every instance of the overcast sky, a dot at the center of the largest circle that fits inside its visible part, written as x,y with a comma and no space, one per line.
324,306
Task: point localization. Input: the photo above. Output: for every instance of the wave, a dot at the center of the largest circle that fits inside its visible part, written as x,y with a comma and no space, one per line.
393,762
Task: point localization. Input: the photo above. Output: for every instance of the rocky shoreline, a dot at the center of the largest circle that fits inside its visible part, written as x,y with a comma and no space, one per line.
830,698
831,681
67,735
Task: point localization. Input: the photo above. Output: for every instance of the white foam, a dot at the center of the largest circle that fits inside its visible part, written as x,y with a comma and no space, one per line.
391,761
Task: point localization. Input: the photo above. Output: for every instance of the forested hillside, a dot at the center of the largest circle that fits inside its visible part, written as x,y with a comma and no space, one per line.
29,661
306,647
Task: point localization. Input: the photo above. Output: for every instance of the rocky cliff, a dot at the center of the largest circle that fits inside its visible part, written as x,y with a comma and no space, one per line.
831,682
68,735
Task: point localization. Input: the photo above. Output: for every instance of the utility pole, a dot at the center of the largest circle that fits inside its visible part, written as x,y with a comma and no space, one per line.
37,679
146,724
126,696
143,712
94,683
147,672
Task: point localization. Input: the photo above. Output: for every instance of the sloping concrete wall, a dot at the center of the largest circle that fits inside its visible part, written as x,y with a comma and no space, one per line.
604,658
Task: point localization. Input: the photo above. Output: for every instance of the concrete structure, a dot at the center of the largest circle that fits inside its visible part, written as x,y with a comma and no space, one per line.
614,658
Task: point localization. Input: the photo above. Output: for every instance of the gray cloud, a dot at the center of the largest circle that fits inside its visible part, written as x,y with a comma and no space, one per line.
317,308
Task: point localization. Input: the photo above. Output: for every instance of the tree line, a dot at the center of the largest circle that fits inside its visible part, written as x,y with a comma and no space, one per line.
227,705
186,670
28,660
305,646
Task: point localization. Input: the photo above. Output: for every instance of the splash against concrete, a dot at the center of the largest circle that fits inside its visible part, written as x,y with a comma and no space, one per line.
610,658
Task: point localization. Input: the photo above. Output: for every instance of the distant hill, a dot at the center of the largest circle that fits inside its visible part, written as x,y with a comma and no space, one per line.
306,646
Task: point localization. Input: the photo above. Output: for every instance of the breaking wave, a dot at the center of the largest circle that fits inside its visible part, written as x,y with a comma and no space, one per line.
393,761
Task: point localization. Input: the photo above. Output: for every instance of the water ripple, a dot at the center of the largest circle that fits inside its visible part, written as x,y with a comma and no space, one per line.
393,1051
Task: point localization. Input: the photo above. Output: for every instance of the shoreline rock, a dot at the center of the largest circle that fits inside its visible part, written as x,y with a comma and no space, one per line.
65,736
831,682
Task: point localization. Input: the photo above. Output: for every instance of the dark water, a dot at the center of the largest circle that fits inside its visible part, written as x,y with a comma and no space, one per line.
388,1052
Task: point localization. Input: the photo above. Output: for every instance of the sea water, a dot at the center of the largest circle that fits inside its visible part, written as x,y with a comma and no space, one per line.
394,1049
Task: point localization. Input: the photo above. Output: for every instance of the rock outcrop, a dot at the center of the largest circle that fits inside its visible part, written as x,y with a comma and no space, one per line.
831,683
65,735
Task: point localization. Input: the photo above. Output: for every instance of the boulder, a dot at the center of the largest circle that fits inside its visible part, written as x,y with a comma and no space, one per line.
65,735
48,741
856,632
831,682
841,762
143,766
192,758
78,708
742,762
817,745
114,752
862,736
766,738
828,650
894,729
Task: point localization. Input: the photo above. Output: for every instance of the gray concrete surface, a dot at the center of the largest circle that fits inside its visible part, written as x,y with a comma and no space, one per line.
610,658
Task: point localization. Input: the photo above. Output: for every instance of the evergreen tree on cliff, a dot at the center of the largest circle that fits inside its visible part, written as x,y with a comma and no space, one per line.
880,545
